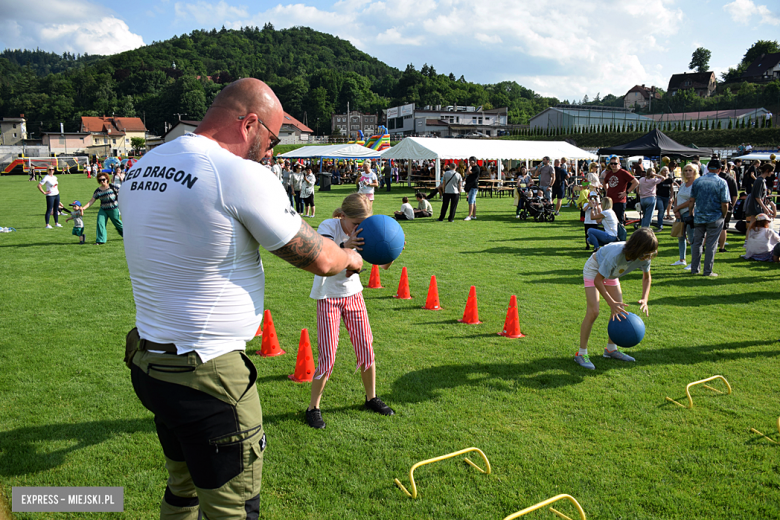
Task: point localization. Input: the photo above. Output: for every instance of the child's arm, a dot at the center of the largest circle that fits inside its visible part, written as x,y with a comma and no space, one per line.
646,282
616,308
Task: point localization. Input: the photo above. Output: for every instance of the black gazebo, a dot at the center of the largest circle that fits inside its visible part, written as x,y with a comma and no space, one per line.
655,144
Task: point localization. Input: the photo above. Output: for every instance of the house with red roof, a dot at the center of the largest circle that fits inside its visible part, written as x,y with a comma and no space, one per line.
111,136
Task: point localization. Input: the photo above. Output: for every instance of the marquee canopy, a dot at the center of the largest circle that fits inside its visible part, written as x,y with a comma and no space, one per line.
421,148
334,151
654,144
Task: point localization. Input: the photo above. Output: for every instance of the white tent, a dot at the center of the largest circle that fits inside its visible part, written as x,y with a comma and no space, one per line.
422,148
754,157
334,151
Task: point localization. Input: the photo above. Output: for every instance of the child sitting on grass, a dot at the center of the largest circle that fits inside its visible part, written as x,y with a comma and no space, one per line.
78,222
407,211
601,276
340,297
424,208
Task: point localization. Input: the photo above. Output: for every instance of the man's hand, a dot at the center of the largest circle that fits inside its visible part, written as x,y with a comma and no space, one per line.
643,307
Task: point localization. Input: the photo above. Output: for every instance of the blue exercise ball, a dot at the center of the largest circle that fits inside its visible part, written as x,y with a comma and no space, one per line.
627,332
383,239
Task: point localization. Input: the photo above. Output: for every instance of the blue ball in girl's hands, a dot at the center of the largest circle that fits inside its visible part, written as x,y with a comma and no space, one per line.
627,332
383,239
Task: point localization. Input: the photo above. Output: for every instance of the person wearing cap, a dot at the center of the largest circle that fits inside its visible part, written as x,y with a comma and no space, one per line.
762,241
710,200
78,222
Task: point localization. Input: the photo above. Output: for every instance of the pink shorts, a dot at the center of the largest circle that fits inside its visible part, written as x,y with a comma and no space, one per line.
607,281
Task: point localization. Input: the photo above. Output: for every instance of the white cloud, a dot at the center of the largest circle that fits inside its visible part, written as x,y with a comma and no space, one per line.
75,26
742,11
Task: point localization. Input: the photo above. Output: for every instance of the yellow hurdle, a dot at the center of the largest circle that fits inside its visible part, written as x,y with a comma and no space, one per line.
548,502
764,436
688,390
413,494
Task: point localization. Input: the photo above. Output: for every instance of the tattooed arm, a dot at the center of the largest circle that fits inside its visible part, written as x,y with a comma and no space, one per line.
309,251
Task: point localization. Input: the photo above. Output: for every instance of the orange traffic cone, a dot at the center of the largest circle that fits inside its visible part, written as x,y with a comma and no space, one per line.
304,365
259,330
270,346
403,287
471,314
432,303
374,282
512,323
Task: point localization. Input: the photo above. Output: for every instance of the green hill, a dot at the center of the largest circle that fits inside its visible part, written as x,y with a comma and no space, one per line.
312,73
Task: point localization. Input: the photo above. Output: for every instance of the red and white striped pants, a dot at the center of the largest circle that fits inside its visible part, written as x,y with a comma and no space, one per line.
330,312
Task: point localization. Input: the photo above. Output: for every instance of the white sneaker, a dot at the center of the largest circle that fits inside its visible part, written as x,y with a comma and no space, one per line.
688,268
517,216
679,262
58,224
467,218
48,226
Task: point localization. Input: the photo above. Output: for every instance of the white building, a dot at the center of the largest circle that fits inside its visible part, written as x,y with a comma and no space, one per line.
447,121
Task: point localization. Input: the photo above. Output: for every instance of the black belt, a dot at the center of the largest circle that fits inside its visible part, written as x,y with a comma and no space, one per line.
168,348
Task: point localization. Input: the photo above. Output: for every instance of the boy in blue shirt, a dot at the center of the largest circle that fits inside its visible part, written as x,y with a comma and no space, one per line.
78,222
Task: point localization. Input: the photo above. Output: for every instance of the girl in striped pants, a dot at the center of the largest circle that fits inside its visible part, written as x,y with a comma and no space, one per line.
340,297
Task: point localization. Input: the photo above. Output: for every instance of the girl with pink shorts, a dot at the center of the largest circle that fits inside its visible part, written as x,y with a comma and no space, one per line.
340,297
601,276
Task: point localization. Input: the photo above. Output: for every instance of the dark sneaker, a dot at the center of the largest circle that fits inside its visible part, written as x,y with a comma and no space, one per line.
314,419
378,406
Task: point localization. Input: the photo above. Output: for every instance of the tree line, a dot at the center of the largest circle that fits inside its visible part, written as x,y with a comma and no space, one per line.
314,74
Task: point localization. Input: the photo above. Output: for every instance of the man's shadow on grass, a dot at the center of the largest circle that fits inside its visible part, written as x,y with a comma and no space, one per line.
20,449
551,372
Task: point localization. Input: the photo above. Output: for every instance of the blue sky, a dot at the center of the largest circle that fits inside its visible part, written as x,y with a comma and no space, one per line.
565,48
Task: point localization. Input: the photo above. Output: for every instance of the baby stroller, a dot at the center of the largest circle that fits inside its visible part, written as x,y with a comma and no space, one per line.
633,202
539,208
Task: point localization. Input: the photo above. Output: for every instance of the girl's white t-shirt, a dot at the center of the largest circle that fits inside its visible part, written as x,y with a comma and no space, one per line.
49,184
338,286
588,218
610,222
368,178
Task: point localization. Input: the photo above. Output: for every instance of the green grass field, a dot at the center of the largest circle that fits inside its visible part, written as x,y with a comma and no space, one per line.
69,417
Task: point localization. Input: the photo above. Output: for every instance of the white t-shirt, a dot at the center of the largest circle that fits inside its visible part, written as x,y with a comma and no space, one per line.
588,218
368,178
610,261
338,286
308,186
49,184
408,210
610,222
194,215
